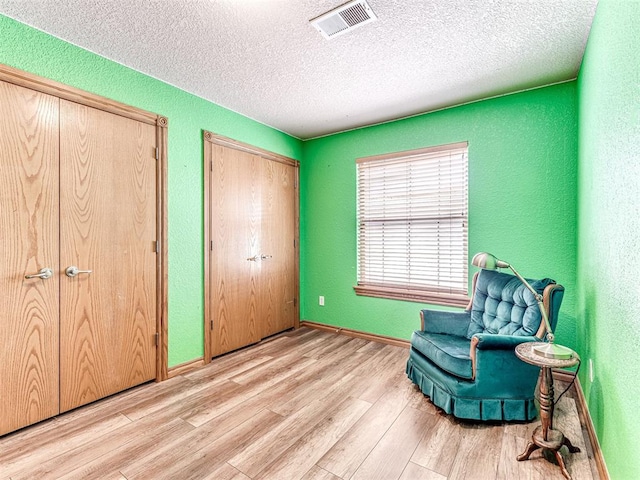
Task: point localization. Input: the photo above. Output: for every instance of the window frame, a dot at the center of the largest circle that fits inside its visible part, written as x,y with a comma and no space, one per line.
425,294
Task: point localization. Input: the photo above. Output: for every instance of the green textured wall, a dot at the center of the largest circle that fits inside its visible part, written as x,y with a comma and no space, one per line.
608,306
522,201
31,50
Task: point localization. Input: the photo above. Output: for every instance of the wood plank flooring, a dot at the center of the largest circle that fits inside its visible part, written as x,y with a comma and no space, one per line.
307,405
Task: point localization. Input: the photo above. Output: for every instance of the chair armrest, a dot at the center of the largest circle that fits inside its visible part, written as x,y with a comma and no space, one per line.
451,323
489,341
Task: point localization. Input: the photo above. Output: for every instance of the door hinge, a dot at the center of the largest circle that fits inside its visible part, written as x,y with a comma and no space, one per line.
157,153
211,324
211,166
157,335
295,183
295,244
295,302
156,246
211,245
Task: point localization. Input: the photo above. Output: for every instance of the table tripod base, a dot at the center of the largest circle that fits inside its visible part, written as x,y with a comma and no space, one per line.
555,440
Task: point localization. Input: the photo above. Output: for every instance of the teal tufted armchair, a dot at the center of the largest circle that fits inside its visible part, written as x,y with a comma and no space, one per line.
465,361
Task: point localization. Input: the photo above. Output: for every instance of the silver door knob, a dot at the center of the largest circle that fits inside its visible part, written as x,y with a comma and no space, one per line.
43,273
73,271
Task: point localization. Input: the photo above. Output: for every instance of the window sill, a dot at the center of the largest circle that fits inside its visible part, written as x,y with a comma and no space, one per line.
434,298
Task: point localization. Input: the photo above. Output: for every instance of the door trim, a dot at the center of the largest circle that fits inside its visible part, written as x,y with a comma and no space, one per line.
60,90
162,284
209,139
51,87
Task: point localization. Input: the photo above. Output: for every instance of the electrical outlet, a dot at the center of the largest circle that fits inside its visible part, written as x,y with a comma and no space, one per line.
592,375
321,300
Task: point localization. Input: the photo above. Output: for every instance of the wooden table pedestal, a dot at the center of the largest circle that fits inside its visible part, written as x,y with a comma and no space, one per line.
545,436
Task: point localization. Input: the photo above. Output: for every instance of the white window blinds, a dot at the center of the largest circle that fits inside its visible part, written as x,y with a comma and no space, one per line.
412,225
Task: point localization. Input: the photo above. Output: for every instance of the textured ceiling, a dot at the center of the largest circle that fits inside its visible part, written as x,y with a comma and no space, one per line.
261,58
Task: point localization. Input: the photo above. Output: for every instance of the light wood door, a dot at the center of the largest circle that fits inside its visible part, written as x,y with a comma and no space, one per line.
107,225
29,240
251,282
235,227
277,236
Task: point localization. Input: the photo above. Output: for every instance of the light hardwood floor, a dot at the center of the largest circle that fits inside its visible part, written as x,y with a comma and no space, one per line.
306,405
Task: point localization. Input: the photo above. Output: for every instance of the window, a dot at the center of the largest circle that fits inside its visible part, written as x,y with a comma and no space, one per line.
412,225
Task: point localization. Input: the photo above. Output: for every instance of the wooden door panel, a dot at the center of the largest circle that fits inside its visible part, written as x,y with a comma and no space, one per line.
29,239
234,230
108,225
277,239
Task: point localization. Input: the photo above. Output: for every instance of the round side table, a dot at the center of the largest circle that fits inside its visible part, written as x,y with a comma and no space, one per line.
545,436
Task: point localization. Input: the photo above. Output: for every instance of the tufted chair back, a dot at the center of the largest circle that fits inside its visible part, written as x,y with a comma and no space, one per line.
501,304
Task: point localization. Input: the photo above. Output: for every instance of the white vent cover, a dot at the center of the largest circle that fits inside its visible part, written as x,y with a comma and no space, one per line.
344,19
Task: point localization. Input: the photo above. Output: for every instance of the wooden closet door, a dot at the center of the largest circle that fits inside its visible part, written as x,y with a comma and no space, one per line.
29,239
108,225
277,233
234,283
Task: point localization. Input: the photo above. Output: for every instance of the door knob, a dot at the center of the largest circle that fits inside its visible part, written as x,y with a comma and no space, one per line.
264,257
73,271
255,258
43,273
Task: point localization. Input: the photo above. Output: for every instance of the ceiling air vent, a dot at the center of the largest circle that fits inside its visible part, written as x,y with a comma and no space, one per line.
344,19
